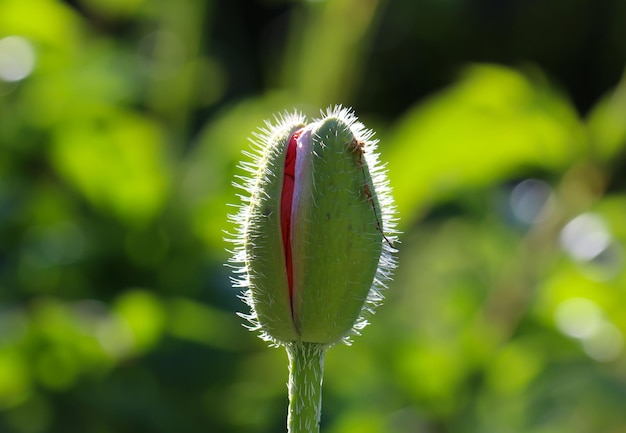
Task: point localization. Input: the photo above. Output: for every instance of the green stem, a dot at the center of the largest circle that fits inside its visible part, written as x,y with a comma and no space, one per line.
306,371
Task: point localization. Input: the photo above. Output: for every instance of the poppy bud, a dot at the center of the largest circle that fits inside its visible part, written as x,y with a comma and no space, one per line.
316,229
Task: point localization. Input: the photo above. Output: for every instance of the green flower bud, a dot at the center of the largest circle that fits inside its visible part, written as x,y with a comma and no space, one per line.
316,229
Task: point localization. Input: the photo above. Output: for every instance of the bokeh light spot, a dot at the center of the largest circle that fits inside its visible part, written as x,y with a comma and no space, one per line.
605,343
115,337
578,317
585,237
17,58
582,319
532,201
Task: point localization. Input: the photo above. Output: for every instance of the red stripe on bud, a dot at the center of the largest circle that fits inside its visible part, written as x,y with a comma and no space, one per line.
286,201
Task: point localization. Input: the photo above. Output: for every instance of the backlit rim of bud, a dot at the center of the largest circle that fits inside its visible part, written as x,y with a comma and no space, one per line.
263,144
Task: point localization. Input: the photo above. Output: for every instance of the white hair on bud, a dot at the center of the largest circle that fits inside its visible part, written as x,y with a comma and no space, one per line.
263,144
378,172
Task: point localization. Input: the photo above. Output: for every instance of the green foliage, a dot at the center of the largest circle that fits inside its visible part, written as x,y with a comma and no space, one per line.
490,124
118,146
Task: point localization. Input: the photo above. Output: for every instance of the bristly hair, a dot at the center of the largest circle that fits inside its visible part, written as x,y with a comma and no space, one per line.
264,145
378,171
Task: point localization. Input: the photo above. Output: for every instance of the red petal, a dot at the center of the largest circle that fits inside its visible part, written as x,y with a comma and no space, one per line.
286,201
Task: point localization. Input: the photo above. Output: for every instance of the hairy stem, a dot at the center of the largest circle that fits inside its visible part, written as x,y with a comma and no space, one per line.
306,370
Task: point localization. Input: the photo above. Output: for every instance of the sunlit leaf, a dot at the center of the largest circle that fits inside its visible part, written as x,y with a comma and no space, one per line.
490,125
607,128
47,22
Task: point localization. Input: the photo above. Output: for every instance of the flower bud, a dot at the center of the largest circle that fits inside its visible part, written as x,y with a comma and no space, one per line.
316,229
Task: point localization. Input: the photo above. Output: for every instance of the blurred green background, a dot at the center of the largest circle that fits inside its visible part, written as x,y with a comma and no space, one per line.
504,126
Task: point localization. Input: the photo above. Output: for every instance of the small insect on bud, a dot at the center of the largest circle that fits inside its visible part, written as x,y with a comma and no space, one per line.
316,229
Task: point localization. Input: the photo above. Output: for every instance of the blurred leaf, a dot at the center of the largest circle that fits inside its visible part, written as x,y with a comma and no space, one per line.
175,68
81,84
607,125
514,367
358,422
432,374
67,338
48,22
117,161
491,124
14,378
323,61
200,323
144,313
58,367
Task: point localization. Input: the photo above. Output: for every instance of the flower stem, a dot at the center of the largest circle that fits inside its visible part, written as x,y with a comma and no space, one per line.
306,370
